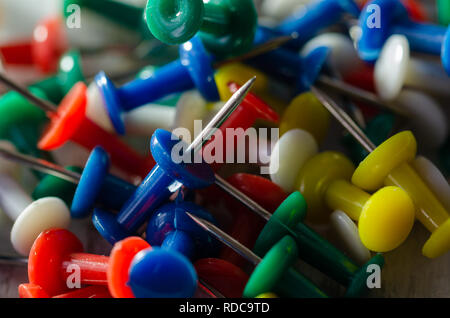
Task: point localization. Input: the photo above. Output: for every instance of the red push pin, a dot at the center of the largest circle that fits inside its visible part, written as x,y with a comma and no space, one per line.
48,44
57,254
36,291
69,122
251,109
262,191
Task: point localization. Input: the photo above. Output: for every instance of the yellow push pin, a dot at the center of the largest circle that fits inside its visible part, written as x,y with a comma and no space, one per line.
389,164
384,219
237,72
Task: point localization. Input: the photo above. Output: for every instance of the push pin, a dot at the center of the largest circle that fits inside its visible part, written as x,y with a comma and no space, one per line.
20,208
285,64
389,164
56,252
266,277
392,75
308,21
48,44
165,178
69,122
427,38
312,248
225,27
180,241
194,69
385,218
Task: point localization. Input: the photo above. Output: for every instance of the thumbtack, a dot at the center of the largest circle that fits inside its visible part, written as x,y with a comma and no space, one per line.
69,122
266,277
392,75
180,241
55,251
397,171
225,27
423,37
312,248
166,177
385,218
194,69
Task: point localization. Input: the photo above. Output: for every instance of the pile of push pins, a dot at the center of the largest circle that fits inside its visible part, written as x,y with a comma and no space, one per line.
88,133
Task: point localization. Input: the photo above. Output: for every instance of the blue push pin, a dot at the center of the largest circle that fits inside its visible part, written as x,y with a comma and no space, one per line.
394,19
180,241
172,230
193,69
285,63
159,273
166,177
97,186
308,21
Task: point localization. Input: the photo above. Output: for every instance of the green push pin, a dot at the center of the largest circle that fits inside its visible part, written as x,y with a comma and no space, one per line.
444,11
273,273
129,16
226,27
69,73
377,130
288,220
21,123
52,186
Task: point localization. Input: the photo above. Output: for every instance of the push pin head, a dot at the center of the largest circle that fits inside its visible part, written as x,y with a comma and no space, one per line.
91,183
159,273
225,27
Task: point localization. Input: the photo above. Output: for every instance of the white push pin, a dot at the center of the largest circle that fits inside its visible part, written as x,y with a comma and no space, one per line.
347,236
290,153
31,218
396,69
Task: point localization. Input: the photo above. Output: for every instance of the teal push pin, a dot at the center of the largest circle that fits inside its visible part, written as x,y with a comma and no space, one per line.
226,27
273,273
